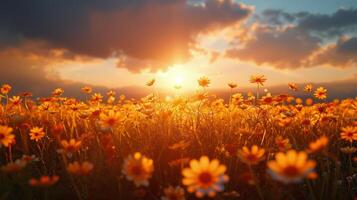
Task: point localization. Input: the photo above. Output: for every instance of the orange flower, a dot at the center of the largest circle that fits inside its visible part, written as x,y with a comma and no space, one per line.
37,133
258,79
173,193
111,93
96,98
151,82
6,136
298,101
293,86
14,167
348,150
308,88
78,169
267,99
232,85
237,98
71,146
309,101
349,133
15,100
58,92
5,89
283,143
86,89
291,167
252,156
318,145
138,169
320,93
44,181
203,81
109,120
205,177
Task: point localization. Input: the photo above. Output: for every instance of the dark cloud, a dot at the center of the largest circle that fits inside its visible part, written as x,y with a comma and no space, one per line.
292,40
27,70
288,48
338,22
342,54
159,32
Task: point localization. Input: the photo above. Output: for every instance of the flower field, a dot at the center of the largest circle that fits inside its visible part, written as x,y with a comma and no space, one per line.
252,146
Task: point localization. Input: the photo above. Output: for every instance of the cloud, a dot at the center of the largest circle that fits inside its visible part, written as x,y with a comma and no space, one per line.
28,69
159,32
342,54
287,48
293,40
337,23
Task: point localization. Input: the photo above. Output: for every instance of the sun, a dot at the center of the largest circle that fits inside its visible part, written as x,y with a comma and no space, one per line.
178,79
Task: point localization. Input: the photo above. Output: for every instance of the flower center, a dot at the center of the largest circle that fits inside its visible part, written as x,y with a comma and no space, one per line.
205,178
252,157
291,171
136,170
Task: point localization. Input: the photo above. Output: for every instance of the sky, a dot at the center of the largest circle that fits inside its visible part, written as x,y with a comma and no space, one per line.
122,44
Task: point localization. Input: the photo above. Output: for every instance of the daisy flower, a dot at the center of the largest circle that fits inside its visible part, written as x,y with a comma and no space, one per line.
36,133
290,167
205,177
6,136
138,168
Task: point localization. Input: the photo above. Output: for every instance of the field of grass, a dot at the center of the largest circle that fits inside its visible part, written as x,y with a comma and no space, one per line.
254,146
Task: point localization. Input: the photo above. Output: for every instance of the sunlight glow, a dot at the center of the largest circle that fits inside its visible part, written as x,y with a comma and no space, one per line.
178,76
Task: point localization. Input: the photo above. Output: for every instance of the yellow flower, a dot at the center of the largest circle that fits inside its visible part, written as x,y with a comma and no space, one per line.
283,143
290,167
15,100
293,86
232,85
349,133
173,193
80,169
111,93
318,145
204,177
237,98
37,133
96,97
258,79
86,89
204,81
320,93
57,92
71,146
251,156
151,82
308,88
138,169
44,181
109,120
267,99
6,136
5,89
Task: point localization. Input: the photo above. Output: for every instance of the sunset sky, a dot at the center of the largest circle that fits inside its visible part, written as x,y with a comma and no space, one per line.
124,43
